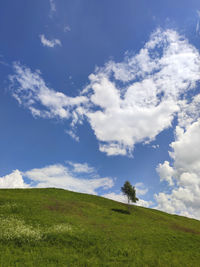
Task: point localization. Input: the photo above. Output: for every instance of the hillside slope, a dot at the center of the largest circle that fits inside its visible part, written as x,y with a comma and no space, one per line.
54,227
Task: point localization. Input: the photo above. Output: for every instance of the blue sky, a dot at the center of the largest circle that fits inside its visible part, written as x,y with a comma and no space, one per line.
94,93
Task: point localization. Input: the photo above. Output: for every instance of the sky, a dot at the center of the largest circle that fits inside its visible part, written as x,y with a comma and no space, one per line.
94,93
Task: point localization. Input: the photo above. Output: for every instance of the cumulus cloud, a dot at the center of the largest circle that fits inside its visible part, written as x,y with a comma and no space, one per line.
189,112
144,203
113,149
138,98
49,43
165,172
126,102
122,198
184,198
117,197
60,176
70,176
140,191
13,180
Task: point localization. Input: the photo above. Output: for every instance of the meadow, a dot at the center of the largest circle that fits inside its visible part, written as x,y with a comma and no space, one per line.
55,227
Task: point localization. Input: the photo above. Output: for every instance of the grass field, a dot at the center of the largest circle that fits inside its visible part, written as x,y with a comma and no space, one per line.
54,227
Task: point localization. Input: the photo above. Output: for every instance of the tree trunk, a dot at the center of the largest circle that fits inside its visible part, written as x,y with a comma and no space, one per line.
129,205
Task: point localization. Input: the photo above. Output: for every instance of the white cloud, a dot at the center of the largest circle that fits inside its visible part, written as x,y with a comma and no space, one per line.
155,146
113,149
198,21
186,152
133,101
13,180
184,198
60,176
70,176
4,63
81,167
30,90
52,5
67,28
140,189
125,103
122,198
73,135
197,27
144,203
117,197
189,112
49,43
165,172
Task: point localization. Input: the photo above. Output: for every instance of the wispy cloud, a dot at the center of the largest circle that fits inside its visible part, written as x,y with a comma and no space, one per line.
197,27
30,90
3,62
198,22
73,135
155,146
52,6
81,167
49,43
67,28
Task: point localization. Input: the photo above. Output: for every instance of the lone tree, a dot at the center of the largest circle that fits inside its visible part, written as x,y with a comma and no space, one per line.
130,192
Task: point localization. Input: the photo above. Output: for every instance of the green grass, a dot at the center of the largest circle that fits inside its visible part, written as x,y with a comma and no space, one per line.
54,227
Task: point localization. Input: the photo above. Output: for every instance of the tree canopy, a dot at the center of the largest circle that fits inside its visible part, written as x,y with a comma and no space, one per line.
130,192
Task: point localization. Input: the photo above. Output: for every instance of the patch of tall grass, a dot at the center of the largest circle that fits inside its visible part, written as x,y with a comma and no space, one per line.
15,229
9,207
12,228
59,228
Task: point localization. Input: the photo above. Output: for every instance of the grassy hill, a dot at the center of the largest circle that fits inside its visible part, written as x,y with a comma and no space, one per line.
54,227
